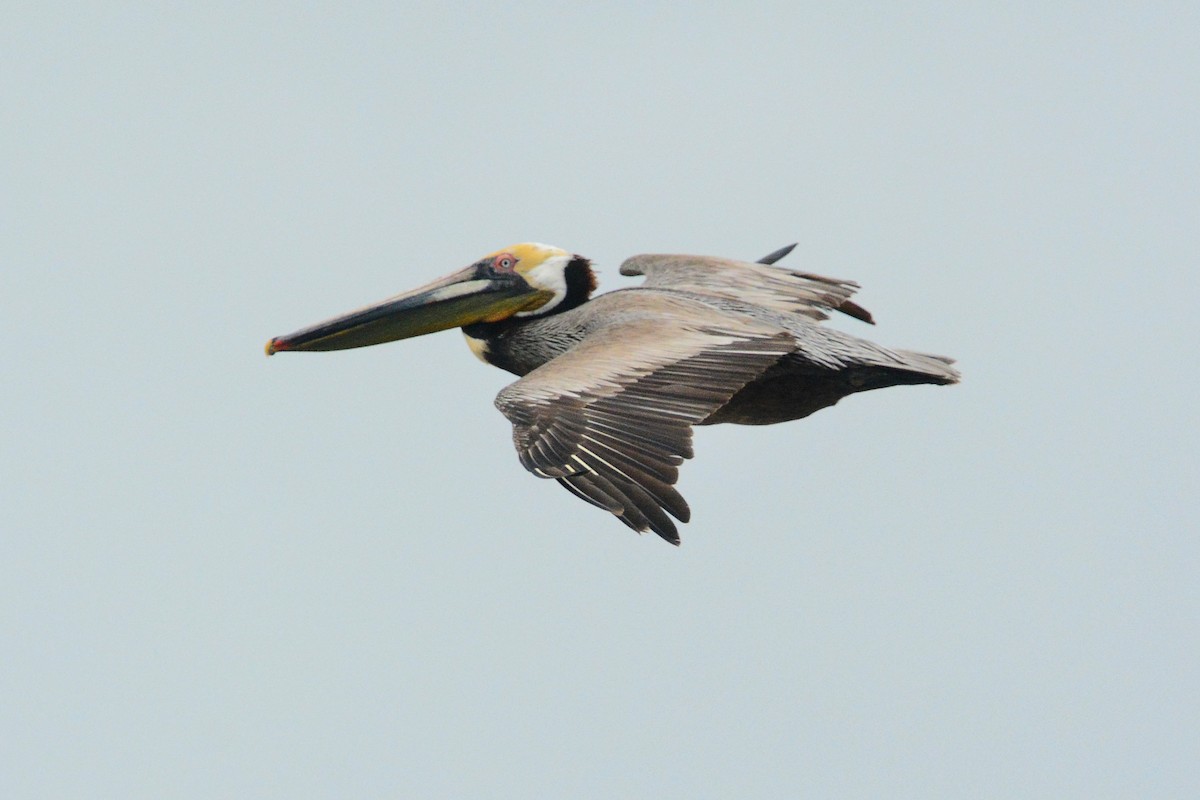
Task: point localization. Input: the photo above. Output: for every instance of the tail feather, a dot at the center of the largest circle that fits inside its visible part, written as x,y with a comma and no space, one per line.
935,369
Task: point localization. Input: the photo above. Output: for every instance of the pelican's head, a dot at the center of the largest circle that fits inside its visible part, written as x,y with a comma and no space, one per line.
525,280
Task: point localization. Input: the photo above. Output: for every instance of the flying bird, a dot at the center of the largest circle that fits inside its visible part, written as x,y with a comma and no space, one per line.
611,385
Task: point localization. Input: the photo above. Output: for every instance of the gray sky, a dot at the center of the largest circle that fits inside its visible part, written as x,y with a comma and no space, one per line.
329,576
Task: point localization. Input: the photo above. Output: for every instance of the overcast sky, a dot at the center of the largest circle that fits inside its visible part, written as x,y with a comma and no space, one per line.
328,575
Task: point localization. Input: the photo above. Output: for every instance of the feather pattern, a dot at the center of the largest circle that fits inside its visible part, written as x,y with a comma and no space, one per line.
612,418
780,289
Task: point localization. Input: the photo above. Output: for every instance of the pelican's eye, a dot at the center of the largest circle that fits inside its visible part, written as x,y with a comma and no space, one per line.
504,262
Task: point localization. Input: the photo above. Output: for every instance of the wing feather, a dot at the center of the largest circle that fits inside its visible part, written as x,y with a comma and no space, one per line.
612,419
779,289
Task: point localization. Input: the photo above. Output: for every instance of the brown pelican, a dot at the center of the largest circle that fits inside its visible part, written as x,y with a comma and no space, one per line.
611,385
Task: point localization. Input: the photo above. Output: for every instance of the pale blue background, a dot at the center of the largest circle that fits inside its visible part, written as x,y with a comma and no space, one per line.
328,575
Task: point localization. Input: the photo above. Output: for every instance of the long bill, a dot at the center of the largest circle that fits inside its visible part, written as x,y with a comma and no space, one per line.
459,299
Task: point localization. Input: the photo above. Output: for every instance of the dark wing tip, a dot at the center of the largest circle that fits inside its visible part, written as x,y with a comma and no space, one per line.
628,502
852,309
777,255
656,521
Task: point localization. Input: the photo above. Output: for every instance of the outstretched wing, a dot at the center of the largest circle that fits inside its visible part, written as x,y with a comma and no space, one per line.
612,418
775,288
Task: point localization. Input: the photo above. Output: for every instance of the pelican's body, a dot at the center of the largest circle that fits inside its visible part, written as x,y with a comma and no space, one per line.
610,386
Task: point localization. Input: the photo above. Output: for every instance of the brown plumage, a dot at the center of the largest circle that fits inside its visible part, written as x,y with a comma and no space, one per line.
611,386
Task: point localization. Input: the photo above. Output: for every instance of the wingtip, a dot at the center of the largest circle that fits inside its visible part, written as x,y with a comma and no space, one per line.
852,309
777,255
